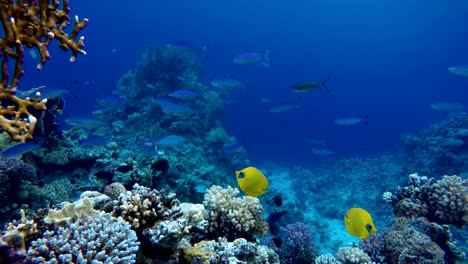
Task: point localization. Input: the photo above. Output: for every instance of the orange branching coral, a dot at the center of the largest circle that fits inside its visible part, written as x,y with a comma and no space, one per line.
30,23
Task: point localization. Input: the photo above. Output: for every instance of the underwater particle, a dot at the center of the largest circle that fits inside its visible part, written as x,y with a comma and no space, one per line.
307,86
252,181
278,200
359,223
447,106
161,165
460,70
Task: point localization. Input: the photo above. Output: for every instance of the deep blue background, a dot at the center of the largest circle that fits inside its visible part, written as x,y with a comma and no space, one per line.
387,59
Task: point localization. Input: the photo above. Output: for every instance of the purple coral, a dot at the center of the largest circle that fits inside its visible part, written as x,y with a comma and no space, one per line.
297,246
375,246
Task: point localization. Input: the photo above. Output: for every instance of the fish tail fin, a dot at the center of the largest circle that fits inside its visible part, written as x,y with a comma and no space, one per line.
324,83
266,62
365,120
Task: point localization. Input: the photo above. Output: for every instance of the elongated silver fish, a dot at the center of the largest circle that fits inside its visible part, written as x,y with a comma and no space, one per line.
460,70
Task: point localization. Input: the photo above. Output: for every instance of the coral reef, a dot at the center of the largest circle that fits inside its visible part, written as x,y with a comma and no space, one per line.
352,255
233,217
221,251
297,246
142,207
440,149
443,201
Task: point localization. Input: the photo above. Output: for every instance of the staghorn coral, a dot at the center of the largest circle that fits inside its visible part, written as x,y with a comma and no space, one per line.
442,201
30,24
97,240
238,251
233,217
352,255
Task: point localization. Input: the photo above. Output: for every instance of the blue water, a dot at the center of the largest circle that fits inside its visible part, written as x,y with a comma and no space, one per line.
388,59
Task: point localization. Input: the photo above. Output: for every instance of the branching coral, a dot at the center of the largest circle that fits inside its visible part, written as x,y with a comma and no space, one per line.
143,207
297,246
233,217
31,24
98,240
239,251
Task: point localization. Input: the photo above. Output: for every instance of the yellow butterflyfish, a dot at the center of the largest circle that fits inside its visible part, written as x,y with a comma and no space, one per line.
359,223
252,181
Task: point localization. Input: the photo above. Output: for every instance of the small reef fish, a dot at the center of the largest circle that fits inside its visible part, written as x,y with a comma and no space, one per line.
30,92
184,94
110,101
314,141
252,181
226,84
322,152
169,106
359,223
447,106
51,93
284,108
278,200
254,57
306,86
231,148
266,100
17,150
85,122
460,70
352,121
161,165
94,140
181,46
170,140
